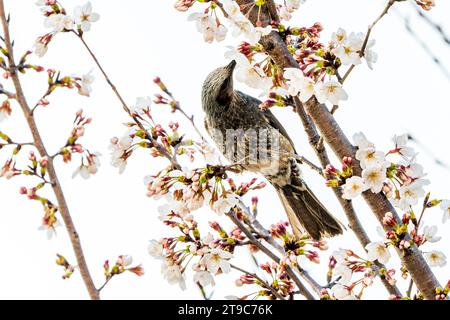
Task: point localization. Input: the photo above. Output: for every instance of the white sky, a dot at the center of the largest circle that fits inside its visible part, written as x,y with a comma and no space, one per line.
137,40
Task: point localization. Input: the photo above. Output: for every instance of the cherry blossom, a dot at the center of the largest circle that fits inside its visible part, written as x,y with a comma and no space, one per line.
59,22
435,258
331,91
410,194
378,251
217,259
342,292
208,27
293,5
118,148
225,204
86,84
172,273
298,83
252,76
429,233
142,105
353,188
204,278
361,141
445,207
233,10
401,146
374,178
155,249
124,260
339,36
245,28
348,50
84,16
41,45
344,273
370,157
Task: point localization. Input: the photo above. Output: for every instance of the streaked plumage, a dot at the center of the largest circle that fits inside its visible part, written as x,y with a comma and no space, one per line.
227,109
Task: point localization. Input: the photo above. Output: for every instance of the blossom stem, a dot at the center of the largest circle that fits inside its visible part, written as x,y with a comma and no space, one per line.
38,142
310,164
105,283
265,284
189,118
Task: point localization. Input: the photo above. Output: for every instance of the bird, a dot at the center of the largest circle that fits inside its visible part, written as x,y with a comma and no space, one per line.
235,122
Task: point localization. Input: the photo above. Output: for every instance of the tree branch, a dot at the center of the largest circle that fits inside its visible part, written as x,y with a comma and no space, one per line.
38,142
341,146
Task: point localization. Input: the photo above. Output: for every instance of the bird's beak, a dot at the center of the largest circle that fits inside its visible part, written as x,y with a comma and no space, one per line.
231,65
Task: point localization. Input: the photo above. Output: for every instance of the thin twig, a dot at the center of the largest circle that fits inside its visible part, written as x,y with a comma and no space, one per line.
8,94
104,284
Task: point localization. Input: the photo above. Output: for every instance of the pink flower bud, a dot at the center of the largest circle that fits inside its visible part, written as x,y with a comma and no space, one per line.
43,162
406,217
389,220
330,170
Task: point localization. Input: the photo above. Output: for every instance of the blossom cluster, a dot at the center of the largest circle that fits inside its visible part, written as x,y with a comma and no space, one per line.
145,132
318,63
278,281
90,161
37,168
208,22
58,20
402,182
186,192
122,264
295,247
344,265
68,268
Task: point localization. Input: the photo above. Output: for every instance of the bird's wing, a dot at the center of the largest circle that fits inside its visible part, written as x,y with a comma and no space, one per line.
269,116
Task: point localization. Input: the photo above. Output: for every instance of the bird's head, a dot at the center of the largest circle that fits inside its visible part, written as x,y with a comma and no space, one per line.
218,86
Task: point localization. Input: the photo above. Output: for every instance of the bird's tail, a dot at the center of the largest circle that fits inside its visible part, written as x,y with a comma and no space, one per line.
306,213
